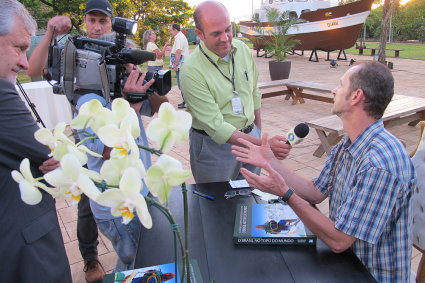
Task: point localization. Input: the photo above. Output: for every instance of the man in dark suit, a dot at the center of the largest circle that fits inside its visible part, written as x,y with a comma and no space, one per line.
31,244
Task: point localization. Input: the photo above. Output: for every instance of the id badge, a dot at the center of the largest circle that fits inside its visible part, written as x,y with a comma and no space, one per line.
237,105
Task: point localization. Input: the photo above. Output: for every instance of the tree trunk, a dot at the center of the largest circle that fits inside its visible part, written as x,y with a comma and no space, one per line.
387,11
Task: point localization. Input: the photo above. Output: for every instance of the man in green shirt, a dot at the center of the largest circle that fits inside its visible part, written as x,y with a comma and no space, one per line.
219,83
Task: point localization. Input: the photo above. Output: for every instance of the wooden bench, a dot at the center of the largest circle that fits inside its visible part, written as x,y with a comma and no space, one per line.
296,90
402,109
373,50
274,84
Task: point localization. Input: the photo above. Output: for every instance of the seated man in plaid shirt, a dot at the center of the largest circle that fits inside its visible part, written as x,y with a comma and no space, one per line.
368,179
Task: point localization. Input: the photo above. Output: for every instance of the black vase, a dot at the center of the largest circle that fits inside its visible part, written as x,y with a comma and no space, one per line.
279,70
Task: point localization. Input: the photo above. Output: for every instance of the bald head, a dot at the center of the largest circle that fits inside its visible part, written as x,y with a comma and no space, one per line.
208,9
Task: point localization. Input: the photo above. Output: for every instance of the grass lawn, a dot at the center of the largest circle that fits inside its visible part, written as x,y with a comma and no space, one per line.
411,51
23,78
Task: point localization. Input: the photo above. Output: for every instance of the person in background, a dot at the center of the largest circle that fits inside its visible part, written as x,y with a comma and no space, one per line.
180,52
149,38
98,21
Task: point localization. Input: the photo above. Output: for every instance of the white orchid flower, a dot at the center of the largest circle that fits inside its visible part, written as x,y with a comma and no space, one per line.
121,110
71,180
28,186
122,201
167,172
80,151
120,139
45,136
171,126
113,169
92,114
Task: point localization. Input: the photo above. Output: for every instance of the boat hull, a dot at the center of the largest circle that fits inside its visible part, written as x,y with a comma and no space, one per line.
334,28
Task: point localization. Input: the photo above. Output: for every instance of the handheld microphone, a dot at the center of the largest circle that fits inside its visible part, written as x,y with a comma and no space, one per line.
297,134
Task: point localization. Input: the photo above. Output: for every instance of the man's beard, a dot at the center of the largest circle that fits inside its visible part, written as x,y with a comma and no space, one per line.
12,77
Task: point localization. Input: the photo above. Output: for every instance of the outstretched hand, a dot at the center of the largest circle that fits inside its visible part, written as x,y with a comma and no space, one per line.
273,184
253,154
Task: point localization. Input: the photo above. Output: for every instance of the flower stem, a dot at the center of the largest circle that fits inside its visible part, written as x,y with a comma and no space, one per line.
88,138
186,228
170,218
151,150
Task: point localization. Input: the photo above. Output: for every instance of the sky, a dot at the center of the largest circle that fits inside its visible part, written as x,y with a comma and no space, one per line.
239,9
242,9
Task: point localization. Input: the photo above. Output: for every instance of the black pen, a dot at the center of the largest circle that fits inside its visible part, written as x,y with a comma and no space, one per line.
246,74
203,195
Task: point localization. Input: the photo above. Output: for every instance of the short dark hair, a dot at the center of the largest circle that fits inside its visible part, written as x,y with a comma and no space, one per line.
377,83
175,26
197,18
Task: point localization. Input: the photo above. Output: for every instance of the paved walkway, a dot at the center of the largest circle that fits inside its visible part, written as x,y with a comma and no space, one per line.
278,116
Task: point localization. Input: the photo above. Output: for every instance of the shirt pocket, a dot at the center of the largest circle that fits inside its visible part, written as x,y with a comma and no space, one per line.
246,85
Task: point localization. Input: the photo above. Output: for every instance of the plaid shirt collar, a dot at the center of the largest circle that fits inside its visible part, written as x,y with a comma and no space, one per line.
357,148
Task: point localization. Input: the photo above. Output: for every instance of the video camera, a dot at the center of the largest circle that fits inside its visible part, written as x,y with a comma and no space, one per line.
97,65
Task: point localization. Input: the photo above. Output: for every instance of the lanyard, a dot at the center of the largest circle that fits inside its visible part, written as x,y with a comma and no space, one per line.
232,81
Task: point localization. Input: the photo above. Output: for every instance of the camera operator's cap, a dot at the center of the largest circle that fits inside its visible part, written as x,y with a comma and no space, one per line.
99,5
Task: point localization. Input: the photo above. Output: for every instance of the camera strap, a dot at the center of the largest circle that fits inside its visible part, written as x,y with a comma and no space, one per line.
105,81
68,72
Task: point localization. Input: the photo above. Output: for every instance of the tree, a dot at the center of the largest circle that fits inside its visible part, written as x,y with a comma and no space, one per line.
387,11
150,14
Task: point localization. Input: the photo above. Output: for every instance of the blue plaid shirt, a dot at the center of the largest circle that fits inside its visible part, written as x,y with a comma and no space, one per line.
370,183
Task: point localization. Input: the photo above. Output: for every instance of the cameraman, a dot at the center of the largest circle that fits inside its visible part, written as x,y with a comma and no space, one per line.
98,21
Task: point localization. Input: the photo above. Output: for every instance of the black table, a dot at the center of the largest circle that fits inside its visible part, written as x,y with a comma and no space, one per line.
211,225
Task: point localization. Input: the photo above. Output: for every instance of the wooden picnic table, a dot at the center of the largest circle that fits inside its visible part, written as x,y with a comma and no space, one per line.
373,51
402,109
296,90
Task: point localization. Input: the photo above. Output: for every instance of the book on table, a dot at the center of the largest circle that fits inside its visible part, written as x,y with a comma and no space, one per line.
270,224
155,274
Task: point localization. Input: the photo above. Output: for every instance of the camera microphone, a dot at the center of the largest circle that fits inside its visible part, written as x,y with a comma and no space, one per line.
297,134
139,55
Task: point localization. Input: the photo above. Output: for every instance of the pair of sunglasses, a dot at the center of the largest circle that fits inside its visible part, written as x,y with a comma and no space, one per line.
241,192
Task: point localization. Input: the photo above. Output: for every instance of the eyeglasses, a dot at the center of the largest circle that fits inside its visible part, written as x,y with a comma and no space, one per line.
242,192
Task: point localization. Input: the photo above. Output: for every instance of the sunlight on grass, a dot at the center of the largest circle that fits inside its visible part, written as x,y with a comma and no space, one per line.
411,51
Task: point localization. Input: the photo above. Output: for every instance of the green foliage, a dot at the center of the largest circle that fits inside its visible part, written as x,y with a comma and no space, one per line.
281,42
150,14
408,22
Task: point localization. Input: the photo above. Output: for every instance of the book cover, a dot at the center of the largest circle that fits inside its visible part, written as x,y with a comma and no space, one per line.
155,274
270,224
173,61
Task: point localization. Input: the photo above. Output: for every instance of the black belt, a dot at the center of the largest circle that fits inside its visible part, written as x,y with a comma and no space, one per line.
245,130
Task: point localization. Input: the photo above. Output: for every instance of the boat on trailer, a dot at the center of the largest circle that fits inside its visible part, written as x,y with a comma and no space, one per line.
326,27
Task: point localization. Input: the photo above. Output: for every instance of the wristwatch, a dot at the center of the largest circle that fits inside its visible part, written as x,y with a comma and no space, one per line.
284,200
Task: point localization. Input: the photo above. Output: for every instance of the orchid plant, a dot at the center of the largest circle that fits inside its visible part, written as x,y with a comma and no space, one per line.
120,178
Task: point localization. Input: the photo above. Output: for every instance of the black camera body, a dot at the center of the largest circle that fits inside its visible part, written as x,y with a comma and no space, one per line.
85,64
158,86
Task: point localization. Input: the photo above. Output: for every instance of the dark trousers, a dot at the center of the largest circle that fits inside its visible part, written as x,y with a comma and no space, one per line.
87,233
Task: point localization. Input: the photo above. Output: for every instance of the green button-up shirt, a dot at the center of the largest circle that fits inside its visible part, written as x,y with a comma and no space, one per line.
208,93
